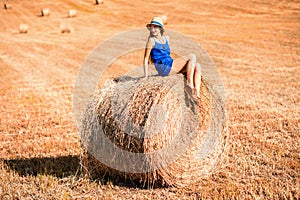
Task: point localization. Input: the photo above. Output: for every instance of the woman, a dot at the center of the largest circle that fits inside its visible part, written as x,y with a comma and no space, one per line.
158,51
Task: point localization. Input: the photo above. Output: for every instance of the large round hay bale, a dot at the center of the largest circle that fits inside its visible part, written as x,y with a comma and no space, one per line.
99,2
45,12
72,13
66,28
151,131
165,19
23,28
7,6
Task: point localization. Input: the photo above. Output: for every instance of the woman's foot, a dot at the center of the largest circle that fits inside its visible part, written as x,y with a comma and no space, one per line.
191,86
196,97
191,93
196,94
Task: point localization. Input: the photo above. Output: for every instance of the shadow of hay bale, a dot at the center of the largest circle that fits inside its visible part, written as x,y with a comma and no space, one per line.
60,167
149,131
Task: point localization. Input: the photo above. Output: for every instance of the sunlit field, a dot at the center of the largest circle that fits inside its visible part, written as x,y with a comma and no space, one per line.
255,45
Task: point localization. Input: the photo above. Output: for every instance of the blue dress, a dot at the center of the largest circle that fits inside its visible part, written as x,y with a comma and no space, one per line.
161,58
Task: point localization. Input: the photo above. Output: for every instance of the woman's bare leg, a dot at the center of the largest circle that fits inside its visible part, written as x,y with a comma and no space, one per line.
190,71
197,79
188,62
178,65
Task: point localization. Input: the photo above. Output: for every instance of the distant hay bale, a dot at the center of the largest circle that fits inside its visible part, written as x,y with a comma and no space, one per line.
66,28
7,6
72,13
156,120
165,19
23,28
45,12
99,2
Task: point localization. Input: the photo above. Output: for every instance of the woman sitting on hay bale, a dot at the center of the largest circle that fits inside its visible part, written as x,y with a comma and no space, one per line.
149,131
158,50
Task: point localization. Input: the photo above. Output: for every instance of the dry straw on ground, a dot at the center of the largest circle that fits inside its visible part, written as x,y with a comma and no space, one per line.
180,141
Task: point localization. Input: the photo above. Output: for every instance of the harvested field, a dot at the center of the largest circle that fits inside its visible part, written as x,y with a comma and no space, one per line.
255,45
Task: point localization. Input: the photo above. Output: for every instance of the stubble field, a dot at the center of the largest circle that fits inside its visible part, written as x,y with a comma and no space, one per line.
255,45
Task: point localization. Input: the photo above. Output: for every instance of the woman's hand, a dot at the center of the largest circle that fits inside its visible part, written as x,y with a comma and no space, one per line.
146,70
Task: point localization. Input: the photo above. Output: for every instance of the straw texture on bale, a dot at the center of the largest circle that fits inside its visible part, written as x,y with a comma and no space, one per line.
149,116
23,28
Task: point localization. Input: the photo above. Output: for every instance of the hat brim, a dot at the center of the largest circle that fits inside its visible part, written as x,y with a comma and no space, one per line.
154,23
148,26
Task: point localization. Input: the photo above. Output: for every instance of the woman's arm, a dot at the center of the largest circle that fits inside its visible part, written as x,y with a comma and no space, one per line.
149,46
168,39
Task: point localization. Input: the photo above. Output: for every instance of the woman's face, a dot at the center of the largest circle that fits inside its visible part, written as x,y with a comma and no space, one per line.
154,29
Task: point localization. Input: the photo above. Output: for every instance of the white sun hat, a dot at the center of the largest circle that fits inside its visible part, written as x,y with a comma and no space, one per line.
156,21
